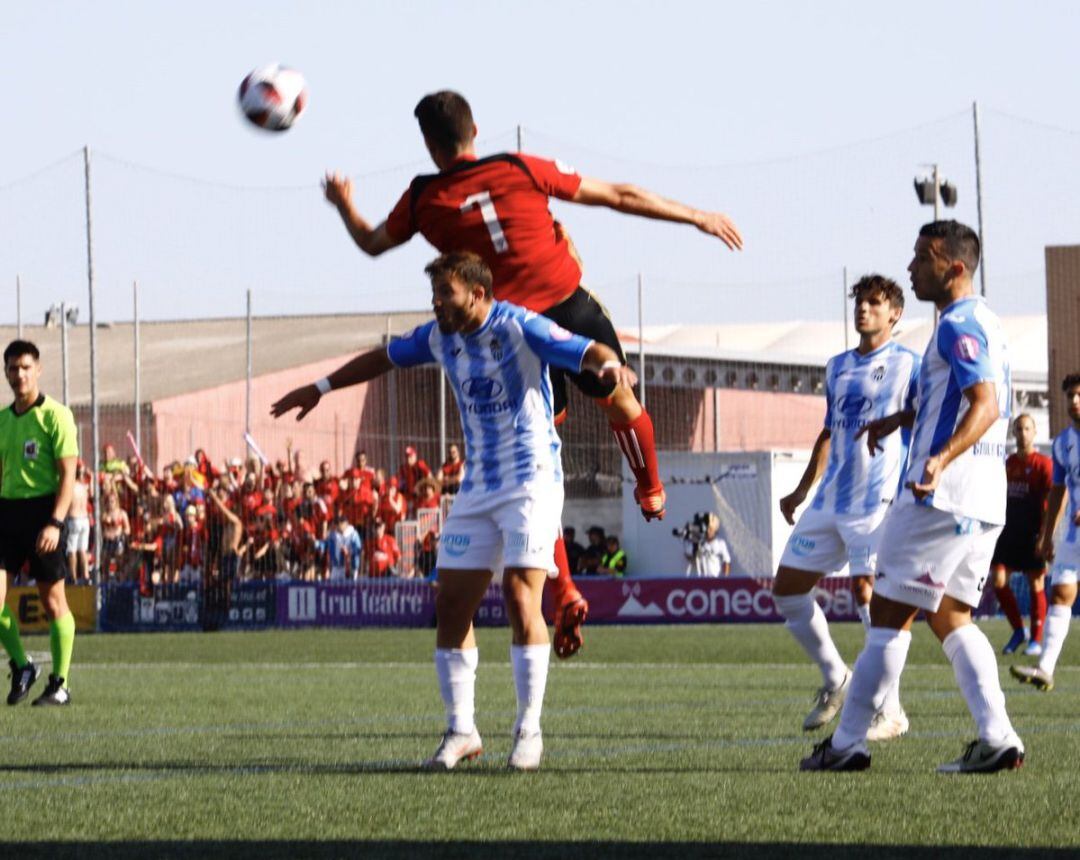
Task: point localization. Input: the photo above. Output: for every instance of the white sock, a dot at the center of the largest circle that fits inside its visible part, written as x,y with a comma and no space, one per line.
892,700
975,666
864,614
530,679
456,668
1058,618
876,671
807,624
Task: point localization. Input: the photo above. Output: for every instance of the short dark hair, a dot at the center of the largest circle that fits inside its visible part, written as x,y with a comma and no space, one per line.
873,284
19,348
467,267
1070,381
959,240
446,120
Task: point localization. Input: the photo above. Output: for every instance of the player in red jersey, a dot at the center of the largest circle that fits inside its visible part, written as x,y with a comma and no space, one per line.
497,207
1030,477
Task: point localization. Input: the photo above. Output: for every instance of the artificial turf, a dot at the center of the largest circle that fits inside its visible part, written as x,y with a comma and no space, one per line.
660,742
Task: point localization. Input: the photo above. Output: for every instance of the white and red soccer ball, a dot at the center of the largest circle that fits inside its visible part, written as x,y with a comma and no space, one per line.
273,97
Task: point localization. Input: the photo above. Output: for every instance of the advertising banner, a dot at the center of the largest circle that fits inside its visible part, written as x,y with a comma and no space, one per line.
374,603
700,600
166,607
252,604
25,602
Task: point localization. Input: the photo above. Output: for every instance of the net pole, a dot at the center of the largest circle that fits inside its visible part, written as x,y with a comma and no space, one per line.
641,335
979,200
392,404
520,137
138,364
843,312
247,376
442,414
18,306
95,431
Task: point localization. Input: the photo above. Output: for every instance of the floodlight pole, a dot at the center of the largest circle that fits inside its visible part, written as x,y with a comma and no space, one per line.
18,306
95,433
937,193
979,202
520,136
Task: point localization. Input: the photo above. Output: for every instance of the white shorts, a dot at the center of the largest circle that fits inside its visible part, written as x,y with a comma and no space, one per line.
926,553
509,528
78,534
1066,569
824,542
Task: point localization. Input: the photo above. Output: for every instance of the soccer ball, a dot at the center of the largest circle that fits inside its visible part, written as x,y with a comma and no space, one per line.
272,97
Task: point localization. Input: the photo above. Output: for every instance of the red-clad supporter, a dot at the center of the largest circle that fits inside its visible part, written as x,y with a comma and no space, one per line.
205,467
327,484
251,497
146,545
411,473
427,495
264,545
392,507
451,472
314,511
192,548
358,502
360,463
385,553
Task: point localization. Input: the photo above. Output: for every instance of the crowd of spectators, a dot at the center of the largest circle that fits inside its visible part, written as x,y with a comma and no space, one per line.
198,521
601,556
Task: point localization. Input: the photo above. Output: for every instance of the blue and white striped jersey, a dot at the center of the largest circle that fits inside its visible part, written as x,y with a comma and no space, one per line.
1066,457
967,347
860,389
499,374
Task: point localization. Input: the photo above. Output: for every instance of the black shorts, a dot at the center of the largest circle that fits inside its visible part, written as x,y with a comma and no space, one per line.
21,521
582,314
1016,553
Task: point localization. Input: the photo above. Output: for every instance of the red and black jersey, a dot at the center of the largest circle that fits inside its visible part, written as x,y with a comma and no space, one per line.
497,207
1029,480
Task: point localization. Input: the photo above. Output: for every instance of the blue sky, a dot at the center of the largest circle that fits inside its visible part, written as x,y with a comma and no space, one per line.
805,122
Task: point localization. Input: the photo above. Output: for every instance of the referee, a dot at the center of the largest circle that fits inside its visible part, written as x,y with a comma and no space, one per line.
38,453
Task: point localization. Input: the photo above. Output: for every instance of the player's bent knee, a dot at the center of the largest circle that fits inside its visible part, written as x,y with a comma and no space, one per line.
795,607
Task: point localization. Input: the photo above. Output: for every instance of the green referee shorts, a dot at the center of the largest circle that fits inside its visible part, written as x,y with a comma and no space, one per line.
21,521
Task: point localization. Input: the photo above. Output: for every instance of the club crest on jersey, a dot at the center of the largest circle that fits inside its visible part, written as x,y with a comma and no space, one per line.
878,373
496,349
966,348
557,332
30,449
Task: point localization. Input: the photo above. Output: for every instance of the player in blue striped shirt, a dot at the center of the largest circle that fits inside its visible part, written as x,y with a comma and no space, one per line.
841,528
507,514
1063,575
939,534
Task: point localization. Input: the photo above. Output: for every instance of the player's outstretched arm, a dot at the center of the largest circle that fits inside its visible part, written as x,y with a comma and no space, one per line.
371,240
632,200
877,430
818,456
365,367
982,413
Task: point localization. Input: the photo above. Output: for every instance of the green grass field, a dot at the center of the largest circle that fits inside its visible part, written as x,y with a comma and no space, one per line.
661,741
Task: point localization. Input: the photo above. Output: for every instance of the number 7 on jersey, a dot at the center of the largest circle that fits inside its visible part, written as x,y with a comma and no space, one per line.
491,218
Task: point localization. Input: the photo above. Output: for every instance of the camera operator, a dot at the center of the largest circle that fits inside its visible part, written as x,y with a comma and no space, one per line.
706,553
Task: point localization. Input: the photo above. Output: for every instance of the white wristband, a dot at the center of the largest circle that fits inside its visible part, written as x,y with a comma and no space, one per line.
609,364
324,386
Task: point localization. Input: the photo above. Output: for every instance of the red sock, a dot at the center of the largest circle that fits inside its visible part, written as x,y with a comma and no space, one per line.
638,444
1007,601
1038,614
